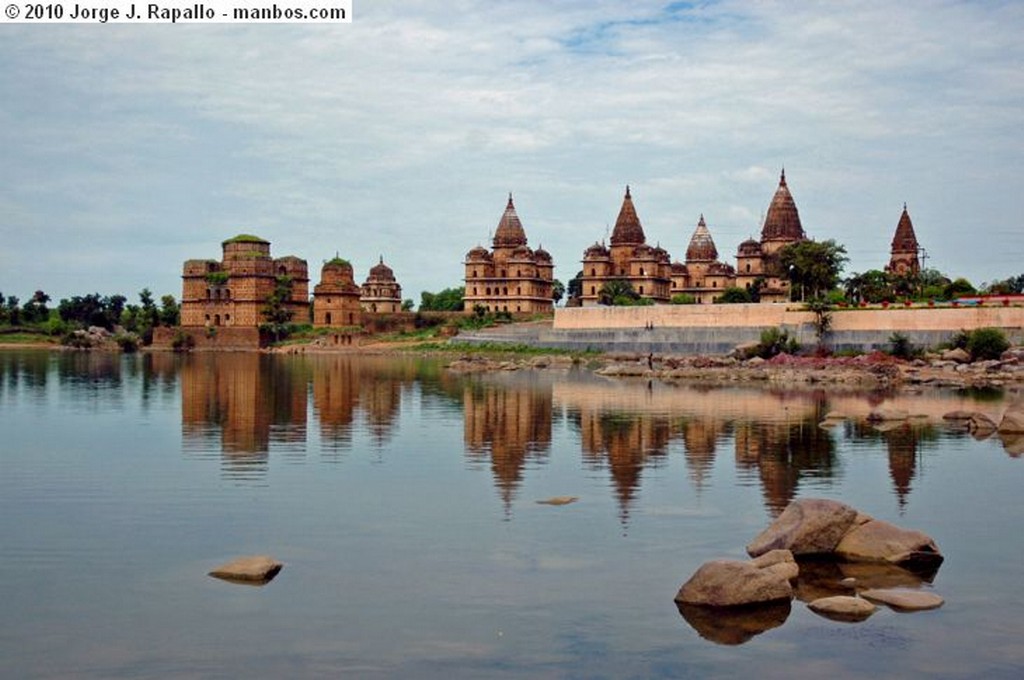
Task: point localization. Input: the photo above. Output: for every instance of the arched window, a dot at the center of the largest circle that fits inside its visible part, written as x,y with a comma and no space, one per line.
641,271
592,289
519,272
327,318
714,284
641,290
593,272
504,291
748,269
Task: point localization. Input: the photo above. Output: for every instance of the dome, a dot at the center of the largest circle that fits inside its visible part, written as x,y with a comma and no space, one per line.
702,246
381,271
750,248
478,254
542,255
679,269
627,227
510,231
783,220
596,251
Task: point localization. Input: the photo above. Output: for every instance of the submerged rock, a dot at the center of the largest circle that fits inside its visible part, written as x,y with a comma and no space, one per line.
904,600
843,608
559,500
887,414
1013,419
251,570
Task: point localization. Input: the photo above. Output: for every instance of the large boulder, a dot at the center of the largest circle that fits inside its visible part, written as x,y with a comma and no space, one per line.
733,583
957,354
1013,419
809,526
878,541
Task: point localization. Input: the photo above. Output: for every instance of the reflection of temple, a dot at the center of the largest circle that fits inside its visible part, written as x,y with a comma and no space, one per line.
699,437
509,424
783,453
246,401
625,443
344,386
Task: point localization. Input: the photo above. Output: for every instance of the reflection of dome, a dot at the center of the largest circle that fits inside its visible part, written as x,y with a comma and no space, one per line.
627,227
510,231
783,220
702,247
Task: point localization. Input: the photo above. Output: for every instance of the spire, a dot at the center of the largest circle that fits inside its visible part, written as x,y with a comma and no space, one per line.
509,233
905,240
782,223
702,246
628,230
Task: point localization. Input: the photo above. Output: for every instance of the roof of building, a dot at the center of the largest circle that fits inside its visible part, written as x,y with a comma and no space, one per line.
627,226
702,246
749,248
905,239
510,232
596,251
245,238
783,219
381,272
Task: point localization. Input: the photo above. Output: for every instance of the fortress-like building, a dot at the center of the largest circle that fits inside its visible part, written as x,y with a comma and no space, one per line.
512,277
234,291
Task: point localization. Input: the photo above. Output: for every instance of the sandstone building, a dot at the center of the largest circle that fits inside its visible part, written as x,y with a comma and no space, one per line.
381,292
905,248
703,276
512,277
647,269
234,291
336,297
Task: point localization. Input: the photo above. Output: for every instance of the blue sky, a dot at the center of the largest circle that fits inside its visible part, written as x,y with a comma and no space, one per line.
128,149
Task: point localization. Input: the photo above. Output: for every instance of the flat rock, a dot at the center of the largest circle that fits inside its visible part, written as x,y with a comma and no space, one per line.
559,500
878,541
808,526
882,415
843,608
904,600
732,583
252,569
958,355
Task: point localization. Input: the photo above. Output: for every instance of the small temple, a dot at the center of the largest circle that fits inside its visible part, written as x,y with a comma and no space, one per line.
511,277
904,258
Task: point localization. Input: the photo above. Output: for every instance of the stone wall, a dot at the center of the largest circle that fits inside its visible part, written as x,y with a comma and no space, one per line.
225,338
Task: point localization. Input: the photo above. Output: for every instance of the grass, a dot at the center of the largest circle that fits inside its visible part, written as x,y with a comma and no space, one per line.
27,339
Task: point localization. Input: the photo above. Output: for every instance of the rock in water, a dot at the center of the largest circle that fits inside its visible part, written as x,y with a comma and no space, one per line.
731,583
252,570
734,625
904,600
843,608
809,526
878,541
559,500
1013,419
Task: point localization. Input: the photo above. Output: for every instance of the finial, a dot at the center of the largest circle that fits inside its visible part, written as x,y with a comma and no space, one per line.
904,206
701,222
782,180
510,199
627,191
382,259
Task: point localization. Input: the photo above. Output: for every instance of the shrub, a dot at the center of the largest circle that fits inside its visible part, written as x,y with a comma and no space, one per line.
182,341
775,341
986,343
76,340
902,347
683,299
128,342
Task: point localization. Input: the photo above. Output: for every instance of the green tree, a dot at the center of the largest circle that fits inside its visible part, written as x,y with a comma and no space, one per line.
575,287
813,267
276,311
958,288
407,305
149,316
683,299
170,310
618,292
872,286
13,312
448,300
733,295
35,310
557,291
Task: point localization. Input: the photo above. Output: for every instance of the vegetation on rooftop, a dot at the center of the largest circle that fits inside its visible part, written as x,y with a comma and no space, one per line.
244,238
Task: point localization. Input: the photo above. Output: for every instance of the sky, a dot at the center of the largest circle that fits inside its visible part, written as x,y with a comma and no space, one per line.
125,150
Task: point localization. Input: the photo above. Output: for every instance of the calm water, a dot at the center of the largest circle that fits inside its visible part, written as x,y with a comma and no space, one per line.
403,501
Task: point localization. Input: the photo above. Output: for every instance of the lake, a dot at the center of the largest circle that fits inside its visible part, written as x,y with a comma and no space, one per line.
402,499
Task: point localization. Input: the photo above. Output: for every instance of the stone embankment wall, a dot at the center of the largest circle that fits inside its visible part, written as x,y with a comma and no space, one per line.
717,329
225,338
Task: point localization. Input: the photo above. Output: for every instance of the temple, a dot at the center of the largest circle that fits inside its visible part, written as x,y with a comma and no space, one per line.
645,268
702,276
512,277
904,260
235,291
336,297
381,292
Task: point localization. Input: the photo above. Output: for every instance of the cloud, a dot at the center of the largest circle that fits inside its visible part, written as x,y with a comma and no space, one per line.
408,127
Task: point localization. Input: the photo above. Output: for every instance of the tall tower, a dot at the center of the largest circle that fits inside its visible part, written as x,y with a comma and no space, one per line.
904,259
